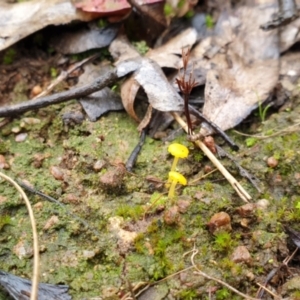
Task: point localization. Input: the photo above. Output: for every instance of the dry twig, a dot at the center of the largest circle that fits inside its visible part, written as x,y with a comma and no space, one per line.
35,275
239,189
198,271
64,74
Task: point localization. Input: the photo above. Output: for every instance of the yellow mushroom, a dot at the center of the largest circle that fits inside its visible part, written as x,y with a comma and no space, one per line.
178,151
174,178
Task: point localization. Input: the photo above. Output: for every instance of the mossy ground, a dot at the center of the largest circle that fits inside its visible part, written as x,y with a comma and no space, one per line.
103,266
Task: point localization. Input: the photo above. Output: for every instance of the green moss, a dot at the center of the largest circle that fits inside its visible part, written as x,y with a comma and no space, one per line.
9,56
295,295
4,146
188,294
223,241
250,142
223,294
130,212
5,220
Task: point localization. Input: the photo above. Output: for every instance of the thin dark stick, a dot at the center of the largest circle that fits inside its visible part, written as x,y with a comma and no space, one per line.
187,114
217,129
134,154
109,78
49,198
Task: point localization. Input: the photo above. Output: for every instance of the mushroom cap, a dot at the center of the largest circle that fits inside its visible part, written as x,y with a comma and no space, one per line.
175,176
178,150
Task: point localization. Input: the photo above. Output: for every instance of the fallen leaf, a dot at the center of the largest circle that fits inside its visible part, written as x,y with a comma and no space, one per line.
231,93
168,55
104,7
100,102
76,40
21,19
161,95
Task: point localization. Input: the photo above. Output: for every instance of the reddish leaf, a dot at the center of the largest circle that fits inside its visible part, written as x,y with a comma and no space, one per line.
107,6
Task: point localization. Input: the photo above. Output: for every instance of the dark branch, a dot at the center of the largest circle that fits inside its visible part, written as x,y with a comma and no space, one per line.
108,79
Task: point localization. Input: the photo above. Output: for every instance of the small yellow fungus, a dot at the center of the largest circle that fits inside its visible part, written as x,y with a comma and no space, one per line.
174,178
178,151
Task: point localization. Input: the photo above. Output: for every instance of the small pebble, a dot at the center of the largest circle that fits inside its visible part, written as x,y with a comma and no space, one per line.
3,199
38,205
3,163
98,165
219,222
183,206
246,210
16,129
113,178
207,169
36,90
241,254
21,137
51,222
245,222
22,250
57,173
171,215
30,121
210,143
71,198
272,162
262,204
88,253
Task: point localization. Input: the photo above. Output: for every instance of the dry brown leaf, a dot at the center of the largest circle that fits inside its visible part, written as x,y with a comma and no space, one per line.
129,90
121,49
161,95
21,19
167,55
232,92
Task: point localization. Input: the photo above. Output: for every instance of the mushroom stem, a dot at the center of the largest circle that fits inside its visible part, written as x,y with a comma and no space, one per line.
172,189
174,178
174,164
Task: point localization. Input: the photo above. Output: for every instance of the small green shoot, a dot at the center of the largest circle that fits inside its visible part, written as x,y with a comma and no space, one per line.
262,111
251,142
168,10
53,72
189,14
101,23
9,56
141,47
223,294
209,22
114,88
